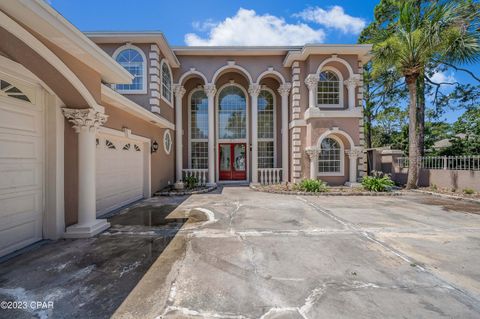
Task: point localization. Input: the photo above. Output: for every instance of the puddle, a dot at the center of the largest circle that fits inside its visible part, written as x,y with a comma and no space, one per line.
147,216
453,205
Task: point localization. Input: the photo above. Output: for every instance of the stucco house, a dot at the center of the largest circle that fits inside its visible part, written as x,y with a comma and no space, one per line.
91,122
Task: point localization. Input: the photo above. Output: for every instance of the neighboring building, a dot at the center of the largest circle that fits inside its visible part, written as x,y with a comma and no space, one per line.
91,122
446,142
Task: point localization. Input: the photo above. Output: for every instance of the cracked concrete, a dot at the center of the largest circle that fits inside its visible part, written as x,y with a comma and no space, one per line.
245,254
276,256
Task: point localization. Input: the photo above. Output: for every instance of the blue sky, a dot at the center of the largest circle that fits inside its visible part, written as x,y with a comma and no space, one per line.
210,22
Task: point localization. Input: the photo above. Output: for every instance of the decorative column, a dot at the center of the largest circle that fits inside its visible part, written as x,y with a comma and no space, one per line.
179,91
86,123
284,91
313,154
353,155
210,90
311,81
254,90
352,84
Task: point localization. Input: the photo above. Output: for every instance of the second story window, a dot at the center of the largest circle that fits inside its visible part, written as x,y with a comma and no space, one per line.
328,90
133,60
166,82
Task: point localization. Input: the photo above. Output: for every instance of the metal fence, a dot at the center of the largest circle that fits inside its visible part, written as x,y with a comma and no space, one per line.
464,163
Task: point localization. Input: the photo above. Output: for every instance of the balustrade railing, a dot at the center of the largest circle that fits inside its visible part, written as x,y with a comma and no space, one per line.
268,176
200,174
466,163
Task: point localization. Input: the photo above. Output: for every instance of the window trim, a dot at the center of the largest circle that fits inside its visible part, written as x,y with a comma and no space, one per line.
265,88
190,140
342,157
340,104
169,150
144,69
162,62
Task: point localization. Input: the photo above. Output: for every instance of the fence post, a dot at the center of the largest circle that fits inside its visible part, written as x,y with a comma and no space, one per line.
445,162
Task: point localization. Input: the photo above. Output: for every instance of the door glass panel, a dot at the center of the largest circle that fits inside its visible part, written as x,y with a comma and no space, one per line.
225,157
239,157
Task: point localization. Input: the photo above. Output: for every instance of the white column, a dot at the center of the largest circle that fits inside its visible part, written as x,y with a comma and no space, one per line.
313,155
86,123
254,90
312,81
284,90
352,84
210,90
353,155
179,91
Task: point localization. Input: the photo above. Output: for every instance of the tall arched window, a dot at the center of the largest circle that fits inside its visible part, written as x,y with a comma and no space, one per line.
266,129
166,82
328,90
232,113
133,60
198,130
330,158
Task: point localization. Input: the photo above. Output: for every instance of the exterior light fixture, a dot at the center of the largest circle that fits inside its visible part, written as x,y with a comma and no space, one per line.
154,147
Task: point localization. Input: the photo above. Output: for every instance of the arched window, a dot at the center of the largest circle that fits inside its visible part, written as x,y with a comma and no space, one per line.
328,89
330,158
266,130
232,113
198,130
133,60
166,82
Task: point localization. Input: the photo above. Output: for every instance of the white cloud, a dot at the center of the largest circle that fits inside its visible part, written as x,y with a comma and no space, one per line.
248,28
334,18
443,77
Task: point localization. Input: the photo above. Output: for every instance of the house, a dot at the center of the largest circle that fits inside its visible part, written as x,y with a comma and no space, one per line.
91,122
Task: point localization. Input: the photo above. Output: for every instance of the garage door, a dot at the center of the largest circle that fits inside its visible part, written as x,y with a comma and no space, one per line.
120,172
21,169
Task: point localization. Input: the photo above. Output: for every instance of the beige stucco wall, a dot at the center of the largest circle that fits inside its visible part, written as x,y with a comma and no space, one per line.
162,164
166,110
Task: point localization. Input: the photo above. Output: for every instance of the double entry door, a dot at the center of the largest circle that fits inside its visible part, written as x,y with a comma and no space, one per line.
233,161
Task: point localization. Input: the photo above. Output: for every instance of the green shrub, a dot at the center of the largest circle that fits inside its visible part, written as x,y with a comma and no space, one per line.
379,182
311,186
190,182
468,191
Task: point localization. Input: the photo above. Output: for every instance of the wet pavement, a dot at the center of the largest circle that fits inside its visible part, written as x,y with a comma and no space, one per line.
236,253
89,278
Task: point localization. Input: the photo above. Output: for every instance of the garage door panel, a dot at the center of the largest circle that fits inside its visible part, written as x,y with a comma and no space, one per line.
20,177
19,236
18,120
120,172
19,206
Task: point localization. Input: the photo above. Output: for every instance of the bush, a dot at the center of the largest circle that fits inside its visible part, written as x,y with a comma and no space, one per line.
378,182
468,191
190,182
311,186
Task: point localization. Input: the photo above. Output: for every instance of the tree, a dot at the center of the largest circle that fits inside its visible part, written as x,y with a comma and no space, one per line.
436,32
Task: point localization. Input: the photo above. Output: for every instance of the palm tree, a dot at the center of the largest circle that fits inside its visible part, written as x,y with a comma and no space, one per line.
440,31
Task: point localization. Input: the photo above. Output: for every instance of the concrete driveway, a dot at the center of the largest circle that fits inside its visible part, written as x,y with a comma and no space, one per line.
244,254
278,256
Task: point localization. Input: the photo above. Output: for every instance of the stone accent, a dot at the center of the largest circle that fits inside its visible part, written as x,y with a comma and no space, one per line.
154,78
296,131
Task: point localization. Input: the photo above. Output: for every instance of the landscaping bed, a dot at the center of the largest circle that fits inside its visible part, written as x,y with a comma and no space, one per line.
291,189
171,191
469,195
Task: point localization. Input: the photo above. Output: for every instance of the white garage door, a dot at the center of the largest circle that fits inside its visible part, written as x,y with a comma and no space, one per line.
21,169
120,172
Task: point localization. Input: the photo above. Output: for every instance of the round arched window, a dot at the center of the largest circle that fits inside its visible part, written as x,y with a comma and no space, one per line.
330,157
328,90
132,60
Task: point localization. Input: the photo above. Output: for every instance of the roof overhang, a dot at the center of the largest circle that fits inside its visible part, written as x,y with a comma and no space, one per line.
137,37
44,20
233,50
362,50
115,99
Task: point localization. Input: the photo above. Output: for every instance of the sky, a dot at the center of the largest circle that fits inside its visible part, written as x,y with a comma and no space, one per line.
218,22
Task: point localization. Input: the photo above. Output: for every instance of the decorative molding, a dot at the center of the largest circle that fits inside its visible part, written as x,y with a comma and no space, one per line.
179,90
210,89
311,81
312,152
284,89
254,89
353,81
87,119
354,152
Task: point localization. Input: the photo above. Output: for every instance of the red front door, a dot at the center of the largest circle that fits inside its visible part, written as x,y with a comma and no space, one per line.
232,158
